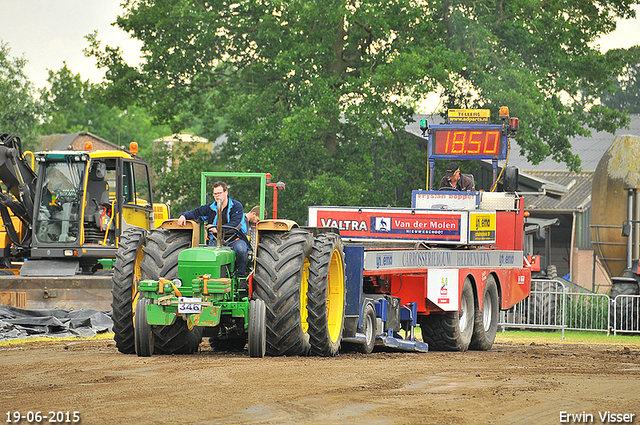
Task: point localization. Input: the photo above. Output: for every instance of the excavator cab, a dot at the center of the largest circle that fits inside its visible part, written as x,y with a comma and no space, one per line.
83,203
59,211
63,216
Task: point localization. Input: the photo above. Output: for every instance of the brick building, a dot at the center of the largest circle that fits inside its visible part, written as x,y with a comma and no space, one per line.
74,141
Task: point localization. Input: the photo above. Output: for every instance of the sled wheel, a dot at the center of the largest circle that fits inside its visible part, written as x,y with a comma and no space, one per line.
485,323
451,331
369,329
143,332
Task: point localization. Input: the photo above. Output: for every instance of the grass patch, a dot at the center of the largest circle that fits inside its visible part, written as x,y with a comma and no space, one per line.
570,337
53,340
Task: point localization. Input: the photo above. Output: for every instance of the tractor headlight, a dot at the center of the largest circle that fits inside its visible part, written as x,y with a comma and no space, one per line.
177,282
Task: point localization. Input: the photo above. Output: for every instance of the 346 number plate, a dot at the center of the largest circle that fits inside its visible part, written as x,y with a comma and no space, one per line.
189,305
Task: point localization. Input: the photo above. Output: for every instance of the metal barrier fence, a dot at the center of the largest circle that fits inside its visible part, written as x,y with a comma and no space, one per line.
553,306
626,313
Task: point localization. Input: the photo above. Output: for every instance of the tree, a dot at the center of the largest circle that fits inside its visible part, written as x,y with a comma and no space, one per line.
19,111
178,184
75,105
625,94
318,92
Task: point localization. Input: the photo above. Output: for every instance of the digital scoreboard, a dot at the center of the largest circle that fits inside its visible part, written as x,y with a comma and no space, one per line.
468,135
467,141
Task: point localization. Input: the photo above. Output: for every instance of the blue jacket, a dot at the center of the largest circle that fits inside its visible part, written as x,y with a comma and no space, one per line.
209,213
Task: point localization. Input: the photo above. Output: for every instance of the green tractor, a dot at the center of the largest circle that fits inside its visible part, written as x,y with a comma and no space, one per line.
206,293
169,292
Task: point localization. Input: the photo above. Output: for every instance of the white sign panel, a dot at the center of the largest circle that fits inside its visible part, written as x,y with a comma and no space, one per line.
427,259
189,305
441,200
442,288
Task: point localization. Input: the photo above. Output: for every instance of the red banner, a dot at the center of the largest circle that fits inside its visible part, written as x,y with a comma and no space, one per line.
393,224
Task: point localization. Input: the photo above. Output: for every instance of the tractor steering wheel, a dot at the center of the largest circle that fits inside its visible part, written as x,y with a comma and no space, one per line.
229,234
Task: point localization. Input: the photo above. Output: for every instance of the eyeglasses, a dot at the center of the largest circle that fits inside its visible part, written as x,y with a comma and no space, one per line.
218,193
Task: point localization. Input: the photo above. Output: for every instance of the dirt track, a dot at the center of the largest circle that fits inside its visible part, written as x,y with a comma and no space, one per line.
513,383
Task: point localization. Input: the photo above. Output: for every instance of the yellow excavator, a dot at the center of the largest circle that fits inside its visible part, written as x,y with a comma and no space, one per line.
63,213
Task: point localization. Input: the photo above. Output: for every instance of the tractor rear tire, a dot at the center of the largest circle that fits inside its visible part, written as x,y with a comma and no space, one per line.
228,344
485,323
143,333
326,296
545,309
160,259
280,280
626,314
257,328
126,273
451,331
177,338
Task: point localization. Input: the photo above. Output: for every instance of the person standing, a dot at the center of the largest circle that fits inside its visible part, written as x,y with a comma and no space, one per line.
251,219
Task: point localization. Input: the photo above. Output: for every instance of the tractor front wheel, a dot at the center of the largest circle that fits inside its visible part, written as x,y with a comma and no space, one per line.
143,333
257,328
369,329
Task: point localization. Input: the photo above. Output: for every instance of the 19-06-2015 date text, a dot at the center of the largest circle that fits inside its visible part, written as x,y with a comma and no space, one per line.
43,417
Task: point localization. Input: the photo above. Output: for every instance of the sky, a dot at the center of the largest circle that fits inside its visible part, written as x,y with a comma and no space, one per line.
50,32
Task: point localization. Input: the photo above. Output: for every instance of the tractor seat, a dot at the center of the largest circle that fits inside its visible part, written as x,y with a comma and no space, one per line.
97,192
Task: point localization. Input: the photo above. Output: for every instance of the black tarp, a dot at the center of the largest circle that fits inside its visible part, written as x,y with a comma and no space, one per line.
25,323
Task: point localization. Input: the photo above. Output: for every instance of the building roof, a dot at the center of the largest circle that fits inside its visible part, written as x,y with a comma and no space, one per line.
588,149
60,142
182,138
565,191
553,175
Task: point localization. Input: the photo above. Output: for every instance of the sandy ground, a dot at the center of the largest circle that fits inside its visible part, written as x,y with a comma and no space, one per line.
515,382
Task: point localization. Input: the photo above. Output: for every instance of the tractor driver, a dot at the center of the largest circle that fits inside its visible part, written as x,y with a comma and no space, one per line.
232,215
453,180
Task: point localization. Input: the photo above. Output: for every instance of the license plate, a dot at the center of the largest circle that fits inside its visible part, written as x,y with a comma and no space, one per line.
189,305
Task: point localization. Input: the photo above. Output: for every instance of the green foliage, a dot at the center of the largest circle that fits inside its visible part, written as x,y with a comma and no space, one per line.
179,184
74,105
319,92
624,94
19,112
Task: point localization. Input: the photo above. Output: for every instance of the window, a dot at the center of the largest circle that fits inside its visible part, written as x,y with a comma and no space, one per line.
136,188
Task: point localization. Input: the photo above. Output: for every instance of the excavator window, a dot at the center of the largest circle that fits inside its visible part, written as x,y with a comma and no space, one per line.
60,204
